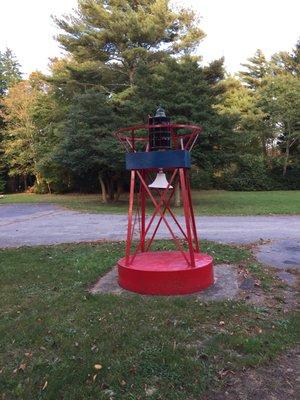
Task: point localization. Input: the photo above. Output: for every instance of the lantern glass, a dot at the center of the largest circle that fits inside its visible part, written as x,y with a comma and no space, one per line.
159,136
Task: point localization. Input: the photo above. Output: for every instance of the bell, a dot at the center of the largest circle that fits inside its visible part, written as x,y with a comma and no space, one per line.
160,182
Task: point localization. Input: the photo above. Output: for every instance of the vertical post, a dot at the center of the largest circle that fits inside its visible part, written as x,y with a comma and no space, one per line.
186,208
129,226
143,213
188,186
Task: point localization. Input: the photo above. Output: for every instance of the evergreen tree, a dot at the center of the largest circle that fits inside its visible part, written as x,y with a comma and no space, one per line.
250,123
280,98
87,147
257,69
287,62
9,71
124,33
188,92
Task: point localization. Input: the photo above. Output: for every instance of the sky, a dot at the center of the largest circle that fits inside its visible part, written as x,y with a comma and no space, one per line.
234,29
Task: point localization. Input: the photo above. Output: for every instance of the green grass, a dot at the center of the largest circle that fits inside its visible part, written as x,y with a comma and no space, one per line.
52,332
210,202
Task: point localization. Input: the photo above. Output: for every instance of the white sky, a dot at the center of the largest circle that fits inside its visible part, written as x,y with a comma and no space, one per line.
234,28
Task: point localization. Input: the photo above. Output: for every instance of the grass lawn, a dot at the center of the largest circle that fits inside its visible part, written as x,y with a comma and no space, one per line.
209,202
59,342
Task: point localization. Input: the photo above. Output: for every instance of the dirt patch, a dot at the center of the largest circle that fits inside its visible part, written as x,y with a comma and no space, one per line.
277,381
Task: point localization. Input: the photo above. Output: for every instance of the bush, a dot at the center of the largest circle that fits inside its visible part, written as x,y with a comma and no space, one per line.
291,181
201,179
251,173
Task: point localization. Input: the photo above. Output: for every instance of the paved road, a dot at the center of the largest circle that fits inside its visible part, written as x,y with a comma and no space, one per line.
27,224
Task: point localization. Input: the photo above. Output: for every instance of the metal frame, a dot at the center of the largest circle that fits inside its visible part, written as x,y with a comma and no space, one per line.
160,198
130,136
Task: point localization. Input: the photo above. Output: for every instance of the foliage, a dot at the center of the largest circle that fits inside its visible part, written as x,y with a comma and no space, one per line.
87,145
9,71
124,33
251,173
9,75
19,135
255,71
264,111
280,97
56,130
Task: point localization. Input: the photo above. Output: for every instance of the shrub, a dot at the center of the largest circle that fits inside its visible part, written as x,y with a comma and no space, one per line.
201,179
251,173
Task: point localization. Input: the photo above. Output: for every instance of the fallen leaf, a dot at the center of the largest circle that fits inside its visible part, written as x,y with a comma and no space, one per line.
225,372
150,391
133,370
45,385
94,348
22,367
98,366
94,377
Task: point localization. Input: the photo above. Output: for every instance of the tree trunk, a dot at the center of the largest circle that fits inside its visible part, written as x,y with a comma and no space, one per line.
103,190
286,158
119,191
25,183
111,191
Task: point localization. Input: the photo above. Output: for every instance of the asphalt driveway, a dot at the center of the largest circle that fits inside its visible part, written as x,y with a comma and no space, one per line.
43,224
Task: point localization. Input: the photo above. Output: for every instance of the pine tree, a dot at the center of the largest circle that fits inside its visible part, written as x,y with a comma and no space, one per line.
287,62
188,92
257,69
125,33
9,71
87,147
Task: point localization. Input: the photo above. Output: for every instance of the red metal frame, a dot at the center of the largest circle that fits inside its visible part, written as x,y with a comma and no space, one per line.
182,271
130,137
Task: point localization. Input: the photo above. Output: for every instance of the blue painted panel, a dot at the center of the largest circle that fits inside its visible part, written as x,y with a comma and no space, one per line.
158,159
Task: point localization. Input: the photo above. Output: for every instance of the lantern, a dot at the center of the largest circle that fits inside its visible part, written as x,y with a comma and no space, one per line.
159,131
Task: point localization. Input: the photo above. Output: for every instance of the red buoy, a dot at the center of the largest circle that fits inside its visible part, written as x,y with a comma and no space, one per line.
158,158
165,273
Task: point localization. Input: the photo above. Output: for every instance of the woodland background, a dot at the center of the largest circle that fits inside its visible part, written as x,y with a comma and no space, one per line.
124,59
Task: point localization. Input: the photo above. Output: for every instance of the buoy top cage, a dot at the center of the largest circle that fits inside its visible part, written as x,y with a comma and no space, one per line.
158,135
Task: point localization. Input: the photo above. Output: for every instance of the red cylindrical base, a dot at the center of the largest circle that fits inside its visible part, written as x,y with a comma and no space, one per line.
166,273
